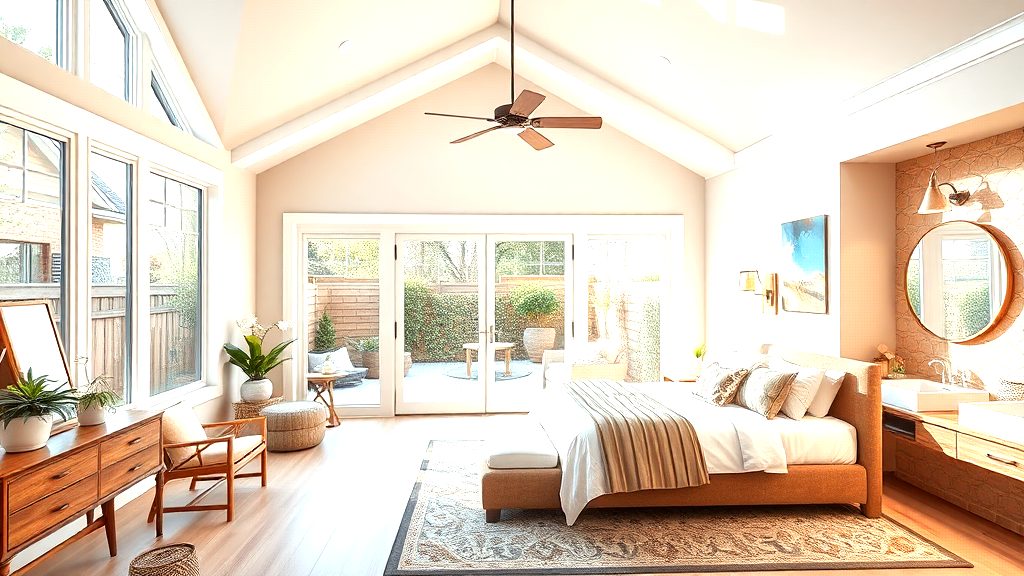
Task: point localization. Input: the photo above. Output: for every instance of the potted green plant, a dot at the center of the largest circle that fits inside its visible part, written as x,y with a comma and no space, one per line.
369,349
27,409
253,362
95,401
534,304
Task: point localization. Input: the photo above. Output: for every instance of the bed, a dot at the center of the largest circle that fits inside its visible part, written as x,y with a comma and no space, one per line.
856,478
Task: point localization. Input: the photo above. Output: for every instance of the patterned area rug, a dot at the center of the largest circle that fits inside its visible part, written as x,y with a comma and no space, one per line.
443,532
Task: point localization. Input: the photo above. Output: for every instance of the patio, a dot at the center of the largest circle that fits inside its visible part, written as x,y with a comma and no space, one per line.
435,382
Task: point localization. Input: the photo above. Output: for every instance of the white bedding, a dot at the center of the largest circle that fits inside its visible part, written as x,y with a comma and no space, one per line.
733,439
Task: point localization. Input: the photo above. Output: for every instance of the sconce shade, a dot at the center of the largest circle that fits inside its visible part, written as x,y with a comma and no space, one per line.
749,280
934,200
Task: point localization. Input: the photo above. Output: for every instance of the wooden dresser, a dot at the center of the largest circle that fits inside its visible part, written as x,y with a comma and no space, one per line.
979,473
78,470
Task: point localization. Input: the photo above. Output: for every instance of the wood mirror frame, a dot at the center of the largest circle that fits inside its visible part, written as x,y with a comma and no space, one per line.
11,366
1007,292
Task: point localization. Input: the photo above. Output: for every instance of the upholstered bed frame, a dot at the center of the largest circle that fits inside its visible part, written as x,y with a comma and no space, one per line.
859,403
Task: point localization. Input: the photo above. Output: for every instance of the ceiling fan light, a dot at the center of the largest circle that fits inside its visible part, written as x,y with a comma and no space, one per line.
934,201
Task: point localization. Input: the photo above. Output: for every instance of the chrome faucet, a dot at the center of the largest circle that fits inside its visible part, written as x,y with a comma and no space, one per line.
949,376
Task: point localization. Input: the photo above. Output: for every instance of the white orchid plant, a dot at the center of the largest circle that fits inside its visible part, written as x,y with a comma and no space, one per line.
253,362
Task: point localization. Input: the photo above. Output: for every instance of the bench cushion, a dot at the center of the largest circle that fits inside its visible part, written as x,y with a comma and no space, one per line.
526,449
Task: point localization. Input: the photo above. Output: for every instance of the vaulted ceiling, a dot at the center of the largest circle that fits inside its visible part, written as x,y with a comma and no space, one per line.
730,70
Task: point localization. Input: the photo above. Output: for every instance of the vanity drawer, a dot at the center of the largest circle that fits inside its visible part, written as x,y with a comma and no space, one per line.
129,442
37,518
50,478
936,438
124,472
995,457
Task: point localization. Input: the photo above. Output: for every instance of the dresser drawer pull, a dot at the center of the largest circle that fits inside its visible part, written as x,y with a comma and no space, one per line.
62,507
1002,459
61,475
134,468
135,441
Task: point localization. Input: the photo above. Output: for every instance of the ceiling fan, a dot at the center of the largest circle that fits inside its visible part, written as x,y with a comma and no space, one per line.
517,114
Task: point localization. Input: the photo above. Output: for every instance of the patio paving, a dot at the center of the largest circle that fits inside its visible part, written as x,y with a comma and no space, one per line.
447,381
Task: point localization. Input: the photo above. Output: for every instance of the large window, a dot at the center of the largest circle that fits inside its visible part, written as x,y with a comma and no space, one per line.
32,235
110,265
35,25
108,49
173,220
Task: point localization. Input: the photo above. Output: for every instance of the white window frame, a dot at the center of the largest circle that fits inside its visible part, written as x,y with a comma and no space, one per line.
133,50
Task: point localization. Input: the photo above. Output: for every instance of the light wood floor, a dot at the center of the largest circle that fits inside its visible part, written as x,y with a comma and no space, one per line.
335,511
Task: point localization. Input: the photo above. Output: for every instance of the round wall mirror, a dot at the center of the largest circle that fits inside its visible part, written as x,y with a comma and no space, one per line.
958,281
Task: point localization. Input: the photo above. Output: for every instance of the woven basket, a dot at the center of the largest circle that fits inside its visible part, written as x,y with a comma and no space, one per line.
173,560
1009,391
252,409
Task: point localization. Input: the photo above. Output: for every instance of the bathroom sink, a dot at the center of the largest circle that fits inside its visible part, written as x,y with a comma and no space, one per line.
1004,420
919,395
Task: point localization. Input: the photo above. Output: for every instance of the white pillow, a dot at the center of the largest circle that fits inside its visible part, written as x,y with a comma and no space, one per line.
339,358
802,392
830,385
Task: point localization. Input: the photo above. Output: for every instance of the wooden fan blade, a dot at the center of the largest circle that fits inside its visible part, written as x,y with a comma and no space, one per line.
535,139
526,103
460,116
567,122
475,134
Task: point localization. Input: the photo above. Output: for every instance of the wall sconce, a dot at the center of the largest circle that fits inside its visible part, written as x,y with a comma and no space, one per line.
750,281
934,200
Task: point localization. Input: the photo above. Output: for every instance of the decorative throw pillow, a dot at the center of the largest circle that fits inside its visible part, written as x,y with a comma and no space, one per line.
827,392
339,358
801,393
765,390
718,384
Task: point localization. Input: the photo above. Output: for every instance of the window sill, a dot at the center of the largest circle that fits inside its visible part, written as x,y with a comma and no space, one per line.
192,395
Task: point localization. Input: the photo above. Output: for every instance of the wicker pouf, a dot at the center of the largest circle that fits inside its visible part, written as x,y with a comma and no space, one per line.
253,409
173,560
295,425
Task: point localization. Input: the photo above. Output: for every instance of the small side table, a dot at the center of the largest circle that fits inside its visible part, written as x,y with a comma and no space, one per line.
252,409
497,346
325,383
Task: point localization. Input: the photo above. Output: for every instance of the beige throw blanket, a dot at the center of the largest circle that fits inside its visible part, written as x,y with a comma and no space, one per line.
646,445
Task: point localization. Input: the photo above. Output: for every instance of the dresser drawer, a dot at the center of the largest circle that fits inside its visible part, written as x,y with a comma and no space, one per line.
129,442
125,472
995,457
936,438
39,517
50,478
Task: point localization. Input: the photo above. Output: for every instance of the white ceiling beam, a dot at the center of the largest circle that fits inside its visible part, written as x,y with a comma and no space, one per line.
619,109
366,103
568,81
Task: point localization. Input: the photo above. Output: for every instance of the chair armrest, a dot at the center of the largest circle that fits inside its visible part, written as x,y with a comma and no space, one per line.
234,422
197,443
235,426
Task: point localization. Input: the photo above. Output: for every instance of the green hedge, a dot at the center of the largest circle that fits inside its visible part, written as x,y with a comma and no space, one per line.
437,325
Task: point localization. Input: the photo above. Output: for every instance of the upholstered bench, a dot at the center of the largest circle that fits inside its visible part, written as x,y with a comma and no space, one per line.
521,471
295,425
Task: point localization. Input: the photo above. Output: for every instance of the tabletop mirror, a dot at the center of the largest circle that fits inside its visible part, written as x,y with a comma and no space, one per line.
958,281
29,339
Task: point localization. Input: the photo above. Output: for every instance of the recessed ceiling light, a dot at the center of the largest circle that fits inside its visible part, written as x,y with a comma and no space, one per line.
344,45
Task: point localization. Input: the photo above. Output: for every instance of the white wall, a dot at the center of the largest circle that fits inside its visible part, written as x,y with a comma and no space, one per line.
401,162
797,173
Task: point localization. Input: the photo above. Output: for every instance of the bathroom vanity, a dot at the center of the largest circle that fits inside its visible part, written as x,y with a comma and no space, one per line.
980,471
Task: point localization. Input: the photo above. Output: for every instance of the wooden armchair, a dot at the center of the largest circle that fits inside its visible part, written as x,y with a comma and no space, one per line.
189,451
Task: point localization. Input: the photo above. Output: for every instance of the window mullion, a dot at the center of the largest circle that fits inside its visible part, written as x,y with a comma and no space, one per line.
139,293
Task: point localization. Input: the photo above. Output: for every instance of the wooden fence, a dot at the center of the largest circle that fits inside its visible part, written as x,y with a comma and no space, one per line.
172,346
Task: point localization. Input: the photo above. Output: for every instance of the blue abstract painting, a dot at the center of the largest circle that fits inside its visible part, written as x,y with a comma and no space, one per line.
804,272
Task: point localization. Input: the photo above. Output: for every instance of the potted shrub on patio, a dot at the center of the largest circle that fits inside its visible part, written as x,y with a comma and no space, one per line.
534,304
27,409
370,351
253,362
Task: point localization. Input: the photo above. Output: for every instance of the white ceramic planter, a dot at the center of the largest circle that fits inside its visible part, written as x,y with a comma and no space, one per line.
256,390
537,340
23,435
93,415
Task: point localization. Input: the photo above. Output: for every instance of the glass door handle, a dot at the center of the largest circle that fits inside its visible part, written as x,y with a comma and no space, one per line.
490,334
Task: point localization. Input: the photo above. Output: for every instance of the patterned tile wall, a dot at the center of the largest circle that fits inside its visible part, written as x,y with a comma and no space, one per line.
994,167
